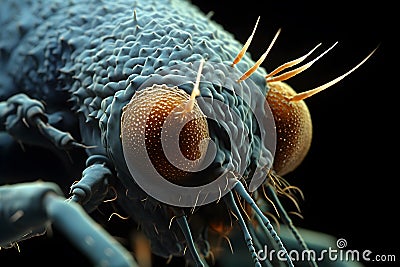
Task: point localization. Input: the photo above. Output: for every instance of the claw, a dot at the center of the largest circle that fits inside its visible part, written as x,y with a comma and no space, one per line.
60,139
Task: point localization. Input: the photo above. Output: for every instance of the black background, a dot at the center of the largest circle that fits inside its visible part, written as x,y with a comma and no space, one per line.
349,176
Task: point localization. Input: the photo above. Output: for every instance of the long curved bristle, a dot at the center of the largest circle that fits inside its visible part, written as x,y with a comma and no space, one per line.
291,63
246,45
260,60
306,94
298,70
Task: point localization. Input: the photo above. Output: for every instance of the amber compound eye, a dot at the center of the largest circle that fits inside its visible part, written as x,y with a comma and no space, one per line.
160,107
293,127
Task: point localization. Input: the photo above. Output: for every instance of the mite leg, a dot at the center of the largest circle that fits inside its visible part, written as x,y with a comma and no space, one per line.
183,224
239,188
259,245
26,209
286,219
23,163
229,200
92,188
25,119
22,214
24,145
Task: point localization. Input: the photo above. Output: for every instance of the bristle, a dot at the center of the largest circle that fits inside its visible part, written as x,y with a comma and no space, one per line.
246,45
259,61
306,94
298,70
291,63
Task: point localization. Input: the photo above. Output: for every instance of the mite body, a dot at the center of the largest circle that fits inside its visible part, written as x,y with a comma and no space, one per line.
115,78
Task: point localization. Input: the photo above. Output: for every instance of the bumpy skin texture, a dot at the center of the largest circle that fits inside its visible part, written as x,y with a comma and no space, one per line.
90,57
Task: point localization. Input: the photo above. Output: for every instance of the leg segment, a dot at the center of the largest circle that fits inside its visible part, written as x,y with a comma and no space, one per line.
91,190
184,226
286,219
26,209
25,119
229,200
22,212
239,188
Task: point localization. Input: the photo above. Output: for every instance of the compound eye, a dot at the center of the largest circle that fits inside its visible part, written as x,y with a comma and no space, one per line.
293,127
148,124
292,118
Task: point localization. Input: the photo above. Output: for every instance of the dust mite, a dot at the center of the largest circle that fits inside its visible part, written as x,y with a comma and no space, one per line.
181,129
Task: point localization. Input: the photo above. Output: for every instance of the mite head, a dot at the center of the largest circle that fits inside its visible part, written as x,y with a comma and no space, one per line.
200,140
165,134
